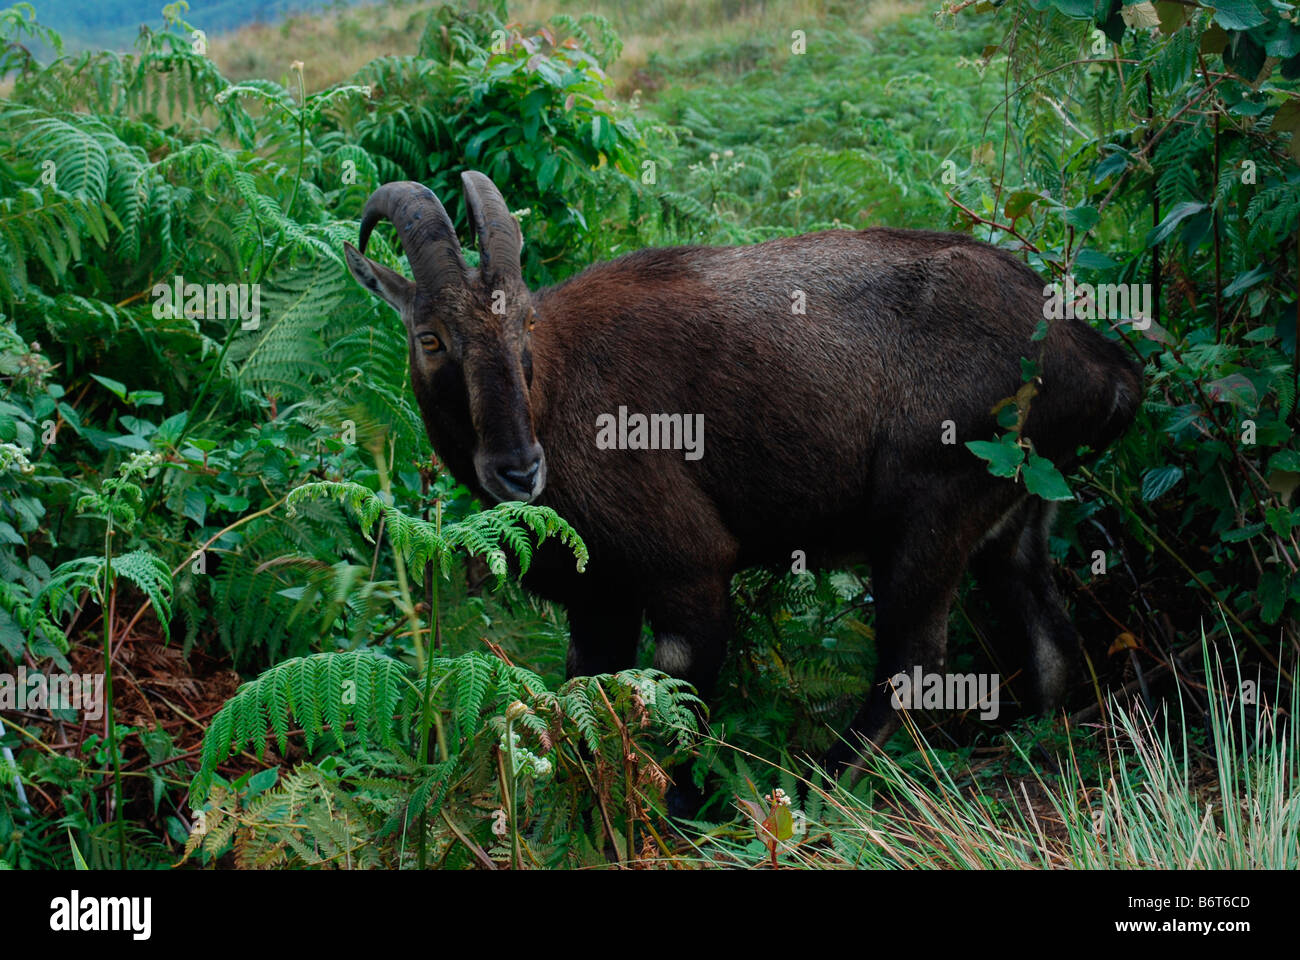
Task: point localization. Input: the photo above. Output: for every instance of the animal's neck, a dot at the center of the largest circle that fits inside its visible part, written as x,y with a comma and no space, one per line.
451,432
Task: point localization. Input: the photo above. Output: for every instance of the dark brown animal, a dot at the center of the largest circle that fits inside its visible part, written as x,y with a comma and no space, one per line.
824,431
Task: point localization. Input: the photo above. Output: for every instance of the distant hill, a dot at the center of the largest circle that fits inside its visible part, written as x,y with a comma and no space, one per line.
114,24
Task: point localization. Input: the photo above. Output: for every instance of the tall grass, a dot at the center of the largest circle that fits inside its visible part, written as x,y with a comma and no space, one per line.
1161,802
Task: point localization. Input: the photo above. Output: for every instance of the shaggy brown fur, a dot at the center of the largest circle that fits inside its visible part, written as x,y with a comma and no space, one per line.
822,430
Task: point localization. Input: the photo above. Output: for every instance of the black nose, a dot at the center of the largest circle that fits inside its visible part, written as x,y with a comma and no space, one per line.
519,479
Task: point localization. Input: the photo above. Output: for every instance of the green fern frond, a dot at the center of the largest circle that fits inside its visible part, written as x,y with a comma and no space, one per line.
86,575
480,534
311,690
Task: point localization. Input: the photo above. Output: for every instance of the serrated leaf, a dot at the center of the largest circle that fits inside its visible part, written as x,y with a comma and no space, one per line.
1236,14
1288,460
1242,533
1279,520
1044,480
1141,15
1004,456
1158,481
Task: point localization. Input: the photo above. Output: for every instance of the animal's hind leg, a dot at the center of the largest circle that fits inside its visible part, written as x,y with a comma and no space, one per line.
914,585
1013,568
692,623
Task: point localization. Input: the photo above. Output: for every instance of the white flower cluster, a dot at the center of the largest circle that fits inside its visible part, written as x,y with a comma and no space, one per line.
777,798
13,459
714,157
139,464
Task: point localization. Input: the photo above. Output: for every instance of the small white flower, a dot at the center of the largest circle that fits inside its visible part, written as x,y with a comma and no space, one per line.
140,463
13,459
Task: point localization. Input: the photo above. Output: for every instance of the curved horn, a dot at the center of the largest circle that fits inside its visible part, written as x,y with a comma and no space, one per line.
499,236
424,229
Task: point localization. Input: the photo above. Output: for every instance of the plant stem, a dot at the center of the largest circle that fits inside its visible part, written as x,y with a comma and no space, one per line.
110,587
508,776
423,658
426,721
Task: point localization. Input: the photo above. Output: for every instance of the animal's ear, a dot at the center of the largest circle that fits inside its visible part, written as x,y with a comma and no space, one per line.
388,285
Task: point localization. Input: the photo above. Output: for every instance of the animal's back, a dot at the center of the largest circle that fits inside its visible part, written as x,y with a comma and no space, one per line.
836,378
805,357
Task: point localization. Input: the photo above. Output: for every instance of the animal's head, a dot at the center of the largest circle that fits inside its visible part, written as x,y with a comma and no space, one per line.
469,331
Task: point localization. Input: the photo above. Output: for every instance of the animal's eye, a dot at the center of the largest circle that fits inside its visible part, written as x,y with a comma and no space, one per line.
532,320
430,342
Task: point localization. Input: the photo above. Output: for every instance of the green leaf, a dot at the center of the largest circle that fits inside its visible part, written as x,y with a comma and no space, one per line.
1158,481
131,441
547,172
1004,456
13,639
1044,480
1279,520
1018,203
1179,213
1272,595
1236,14
1214,40
1115,163
1247,279
145,398
784,822
1074,9
234,503
195,505
1172,16
1235,388
1287,117
1082,218
118,388
1243,533
78,860
263,781
1090,259
1286,460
